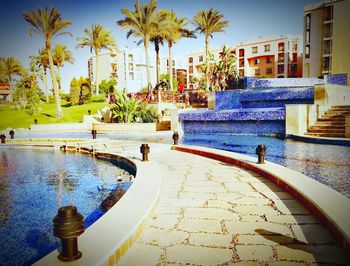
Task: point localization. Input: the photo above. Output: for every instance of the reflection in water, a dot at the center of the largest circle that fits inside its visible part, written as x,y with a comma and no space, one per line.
328,164
33,184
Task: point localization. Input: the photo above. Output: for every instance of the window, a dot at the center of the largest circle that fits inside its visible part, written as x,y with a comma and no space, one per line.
295,47
131,67
254,49
256,61
130,57
269,70
173,61
295,57
241,52
257,71
308,21
294,68
241,72
268,60
190,60
131,75
267,47
307,51
190,69
281,47
307,36
191,79
241,62
167,62
281,58
200,58
280,69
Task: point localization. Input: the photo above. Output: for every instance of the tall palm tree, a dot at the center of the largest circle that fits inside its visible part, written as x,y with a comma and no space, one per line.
208,22
48,23
174,30
61,55
98,38
141,24
42,60
10,67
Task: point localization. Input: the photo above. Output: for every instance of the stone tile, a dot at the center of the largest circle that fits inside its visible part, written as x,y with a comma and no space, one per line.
162,237
313,234
210,240
238,187
205,189
277,195
219,204
210,213
263,227
286,263
292,219
198,255
230,178
245,263
200,225
168,194
231,197
266,186
254,252
195,184
290,207
141,254
251,218
265,239
165,221
182,202
255,209
197,195
166,210
252,201
295,252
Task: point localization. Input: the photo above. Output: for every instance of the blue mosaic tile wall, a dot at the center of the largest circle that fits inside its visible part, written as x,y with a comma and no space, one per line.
339,79
255,83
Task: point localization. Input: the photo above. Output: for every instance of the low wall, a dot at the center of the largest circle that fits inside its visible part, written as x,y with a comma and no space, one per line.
124,127
331,94
255,83
61,127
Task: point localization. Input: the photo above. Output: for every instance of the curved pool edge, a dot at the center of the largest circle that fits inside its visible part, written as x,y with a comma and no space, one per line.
320,140
103,243
329,206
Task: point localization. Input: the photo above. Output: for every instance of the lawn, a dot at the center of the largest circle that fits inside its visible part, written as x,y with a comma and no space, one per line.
21,119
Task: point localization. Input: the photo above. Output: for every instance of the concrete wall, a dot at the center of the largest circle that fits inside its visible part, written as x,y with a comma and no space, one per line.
251,83
296,119
347,126
331,94
61,127
125,127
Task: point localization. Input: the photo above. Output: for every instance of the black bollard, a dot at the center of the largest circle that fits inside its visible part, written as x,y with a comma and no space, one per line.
67,226
3,137
89,112
94,133
176,138
35,121
12,134
261,152
144,149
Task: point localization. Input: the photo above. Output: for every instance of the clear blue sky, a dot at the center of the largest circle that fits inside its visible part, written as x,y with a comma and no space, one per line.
247,19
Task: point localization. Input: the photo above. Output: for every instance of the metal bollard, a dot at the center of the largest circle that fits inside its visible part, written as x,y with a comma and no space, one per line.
94,133
3,137
261,152
176,138
89,112
144,149
12,134
67,226
93,150
64,148
35,121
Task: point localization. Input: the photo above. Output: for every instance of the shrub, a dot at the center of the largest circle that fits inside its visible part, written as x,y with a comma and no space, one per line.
98,98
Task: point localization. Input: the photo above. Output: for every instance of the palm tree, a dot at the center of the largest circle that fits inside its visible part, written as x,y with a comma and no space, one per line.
48,23
98,38
208,22
174,30
10,67
61,55
141,24
42,60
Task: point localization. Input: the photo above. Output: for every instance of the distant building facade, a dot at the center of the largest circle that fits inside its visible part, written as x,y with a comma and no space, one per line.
270,57
327,38
5,92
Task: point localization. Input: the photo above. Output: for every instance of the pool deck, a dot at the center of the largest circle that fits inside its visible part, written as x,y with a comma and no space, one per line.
210,212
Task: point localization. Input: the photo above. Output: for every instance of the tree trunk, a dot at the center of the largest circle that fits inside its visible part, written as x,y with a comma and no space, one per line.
206,62
46,86
96,88
59,80
54,84
156,45
171,69
149,84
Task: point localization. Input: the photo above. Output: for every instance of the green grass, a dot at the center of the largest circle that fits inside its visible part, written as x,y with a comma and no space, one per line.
21,119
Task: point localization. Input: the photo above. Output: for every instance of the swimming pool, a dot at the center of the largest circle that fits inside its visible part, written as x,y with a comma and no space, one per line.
33,184
328,164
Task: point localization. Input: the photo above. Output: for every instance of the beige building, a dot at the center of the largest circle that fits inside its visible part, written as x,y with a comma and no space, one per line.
327,38
270,57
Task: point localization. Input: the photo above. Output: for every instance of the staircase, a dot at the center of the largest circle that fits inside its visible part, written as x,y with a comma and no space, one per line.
331,124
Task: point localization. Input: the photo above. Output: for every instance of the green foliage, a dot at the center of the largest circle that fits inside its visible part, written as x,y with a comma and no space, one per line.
98,98
166,81
128,110
80,91
27,95
107,87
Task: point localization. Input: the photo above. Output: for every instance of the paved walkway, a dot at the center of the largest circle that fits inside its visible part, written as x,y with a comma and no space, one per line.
211,213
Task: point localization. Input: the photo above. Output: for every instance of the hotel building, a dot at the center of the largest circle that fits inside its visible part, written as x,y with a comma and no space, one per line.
326,38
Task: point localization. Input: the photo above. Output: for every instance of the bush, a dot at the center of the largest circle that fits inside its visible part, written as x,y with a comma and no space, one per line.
98,98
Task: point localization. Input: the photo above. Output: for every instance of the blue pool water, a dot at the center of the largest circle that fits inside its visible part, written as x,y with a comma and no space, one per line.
33,184
328,164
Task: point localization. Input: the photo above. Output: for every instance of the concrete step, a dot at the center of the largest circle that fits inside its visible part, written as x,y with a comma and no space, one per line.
322,126
330,135
330,123
326,130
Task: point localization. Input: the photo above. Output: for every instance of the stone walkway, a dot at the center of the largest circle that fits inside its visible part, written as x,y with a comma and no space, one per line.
211,213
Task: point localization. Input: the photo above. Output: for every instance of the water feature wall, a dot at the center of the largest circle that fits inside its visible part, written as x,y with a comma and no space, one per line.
252,111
